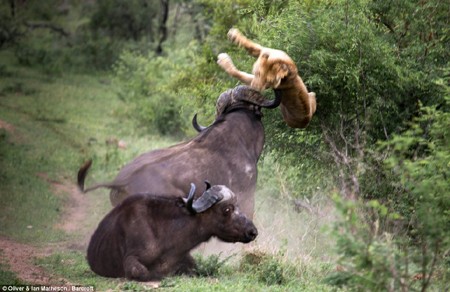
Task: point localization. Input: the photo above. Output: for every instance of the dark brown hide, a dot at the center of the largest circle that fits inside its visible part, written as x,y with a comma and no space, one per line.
149,237
226,153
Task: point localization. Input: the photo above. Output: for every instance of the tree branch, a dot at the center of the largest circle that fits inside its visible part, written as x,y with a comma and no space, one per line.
53,27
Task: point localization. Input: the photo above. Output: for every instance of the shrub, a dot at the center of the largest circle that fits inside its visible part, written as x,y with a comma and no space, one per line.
152,84
270,269
369,258
404,243
126,19
209,266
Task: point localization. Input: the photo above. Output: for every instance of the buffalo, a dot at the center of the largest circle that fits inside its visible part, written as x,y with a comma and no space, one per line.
226,153
148,237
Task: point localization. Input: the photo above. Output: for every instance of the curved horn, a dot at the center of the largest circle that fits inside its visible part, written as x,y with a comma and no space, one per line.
278,97
208,185
245,93
227,193
208,199
196,126
188,201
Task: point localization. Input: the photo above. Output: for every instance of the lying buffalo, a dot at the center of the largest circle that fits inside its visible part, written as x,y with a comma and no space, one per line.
148,237
226,153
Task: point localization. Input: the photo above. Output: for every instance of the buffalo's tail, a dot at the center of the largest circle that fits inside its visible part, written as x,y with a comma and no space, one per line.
82,172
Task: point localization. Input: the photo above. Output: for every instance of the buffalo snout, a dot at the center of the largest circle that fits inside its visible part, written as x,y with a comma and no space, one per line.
250,233
245,229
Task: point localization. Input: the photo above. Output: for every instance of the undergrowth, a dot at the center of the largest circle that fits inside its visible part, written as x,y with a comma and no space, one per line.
255,271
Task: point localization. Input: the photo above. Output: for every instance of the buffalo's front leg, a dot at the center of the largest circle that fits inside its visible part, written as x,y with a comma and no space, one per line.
135,270
187,266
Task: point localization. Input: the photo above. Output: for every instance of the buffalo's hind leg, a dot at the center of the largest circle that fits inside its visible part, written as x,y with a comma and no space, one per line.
135,270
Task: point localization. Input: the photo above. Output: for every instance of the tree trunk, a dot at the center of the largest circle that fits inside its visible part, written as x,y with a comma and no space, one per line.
163,25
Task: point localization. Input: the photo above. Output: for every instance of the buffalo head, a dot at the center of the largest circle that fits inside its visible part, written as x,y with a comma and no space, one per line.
240,96
218,206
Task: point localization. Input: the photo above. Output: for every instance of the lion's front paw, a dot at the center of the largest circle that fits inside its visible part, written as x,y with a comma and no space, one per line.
233,34
223,57
224,61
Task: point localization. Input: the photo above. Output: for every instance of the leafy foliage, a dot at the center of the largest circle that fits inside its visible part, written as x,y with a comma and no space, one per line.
209,266
152,84
125,19
270,269
370,258
376,253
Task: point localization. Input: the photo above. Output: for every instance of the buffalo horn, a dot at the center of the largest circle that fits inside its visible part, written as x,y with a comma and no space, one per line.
208,199
196,126
188,201
227,194
245,93
208,185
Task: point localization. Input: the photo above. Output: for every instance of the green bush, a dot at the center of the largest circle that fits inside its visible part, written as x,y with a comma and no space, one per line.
404,243
38,51
152,84
270,269
125,19
82,51
87,37
369,257
90,51
209,266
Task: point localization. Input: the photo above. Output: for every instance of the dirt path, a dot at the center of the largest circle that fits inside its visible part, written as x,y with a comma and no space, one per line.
8,127
76,206
20,257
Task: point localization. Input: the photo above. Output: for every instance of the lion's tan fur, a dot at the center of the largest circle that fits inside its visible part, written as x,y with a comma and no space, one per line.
274,69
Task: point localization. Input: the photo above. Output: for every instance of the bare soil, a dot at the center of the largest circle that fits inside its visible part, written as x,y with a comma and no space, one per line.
76,206
20,257
8,127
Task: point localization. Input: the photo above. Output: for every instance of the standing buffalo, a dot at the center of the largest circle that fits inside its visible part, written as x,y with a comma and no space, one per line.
226,153
148,237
